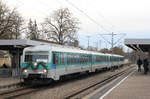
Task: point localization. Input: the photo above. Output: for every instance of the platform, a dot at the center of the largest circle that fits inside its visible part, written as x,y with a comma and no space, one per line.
9,81
135,86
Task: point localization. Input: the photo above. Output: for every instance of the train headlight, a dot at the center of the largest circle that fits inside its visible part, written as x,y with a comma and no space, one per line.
25,71
35,64
44,70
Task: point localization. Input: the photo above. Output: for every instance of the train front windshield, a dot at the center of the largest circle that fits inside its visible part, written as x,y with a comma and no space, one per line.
36,56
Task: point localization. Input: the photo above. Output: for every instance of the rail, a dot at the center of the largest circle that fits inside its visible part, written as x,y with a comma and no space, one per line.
77,94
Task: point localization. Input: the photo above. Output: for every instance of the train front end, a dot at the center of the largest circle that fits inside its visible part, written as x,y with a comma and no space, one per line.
35,64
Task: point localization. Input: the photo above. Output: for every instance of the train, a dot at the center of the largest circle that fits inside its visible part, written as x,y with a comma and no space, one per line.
47,63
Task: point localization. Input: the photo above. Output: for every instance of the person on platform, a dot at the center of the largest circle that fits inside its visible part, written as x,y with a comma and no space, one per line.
5,66
139,63
145,65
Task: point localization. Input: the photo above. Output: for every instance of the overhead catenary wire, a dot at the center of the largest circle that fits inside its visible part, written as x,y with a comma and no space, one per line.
70,3
100,14
32,7
112,43
81,11
77,8
123,35
95,23
89,17
45,4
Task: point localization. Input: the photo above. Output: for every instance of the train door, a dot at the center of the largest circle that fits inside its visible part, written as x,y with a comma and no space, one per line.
59,63
54,63
65,62
91,62
62,58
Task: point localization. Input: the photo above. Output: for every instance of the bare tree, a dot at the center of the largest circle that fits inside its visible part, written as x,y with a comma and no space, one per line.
17,27
10,23
61,26
105,50
118,50
32,31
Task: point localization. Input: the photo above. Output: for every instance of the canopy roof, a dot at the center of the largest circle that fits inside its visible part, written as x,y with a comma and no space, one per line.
12,44
138,44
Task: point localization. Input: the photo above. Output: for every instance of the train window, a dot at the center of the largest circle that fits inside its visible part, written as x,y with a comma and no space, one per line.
36,56
73,59
77,59
28,58
69,59
105,58
84,60
99,58
81,59
61,59
55,58
111,58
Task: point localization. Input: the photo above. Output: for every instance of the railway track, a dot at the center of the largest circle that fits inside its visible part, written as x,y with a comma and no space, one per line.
10,86
23,92
15,92
78,94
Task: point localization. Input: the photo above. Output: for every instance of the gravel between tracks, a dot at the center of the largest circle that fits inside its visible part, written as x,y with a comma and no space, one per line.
62,89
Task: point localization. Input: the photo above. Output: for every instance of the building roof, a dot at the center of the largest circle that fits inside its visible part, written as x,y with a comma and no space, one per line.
138,44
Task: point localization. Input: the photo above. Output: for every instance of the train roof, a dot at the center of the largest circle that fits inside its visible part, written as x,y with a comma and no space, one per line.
64,49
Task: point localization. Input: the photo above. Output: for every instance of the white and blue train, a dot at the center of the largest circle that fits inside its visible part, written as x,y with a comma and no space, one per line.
51,62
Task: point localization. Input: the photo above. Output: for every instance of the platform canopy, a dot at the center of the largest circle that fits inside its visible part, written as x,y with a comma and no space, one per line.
138,44
13,44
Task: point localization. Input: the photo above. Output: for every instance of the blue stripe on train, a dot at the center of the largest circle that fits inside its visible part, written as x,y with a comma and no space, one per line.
49,66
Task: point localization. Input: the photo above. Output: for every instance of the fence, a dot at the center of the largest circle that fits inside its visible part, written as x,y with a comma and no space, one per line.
16,73
5,72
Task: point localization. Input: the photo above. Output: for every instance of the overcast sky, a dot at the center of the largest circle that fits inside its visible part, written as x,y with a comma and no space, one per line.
131,17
